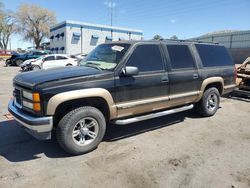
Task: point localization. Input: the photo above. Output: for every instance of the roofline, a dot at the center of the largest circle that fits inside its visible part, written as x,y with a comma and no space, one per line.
222,34
93,26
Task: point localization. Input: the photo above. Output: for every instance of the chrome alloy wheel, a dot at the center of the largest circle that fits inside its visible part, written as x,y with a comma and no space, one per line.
212,102
85,131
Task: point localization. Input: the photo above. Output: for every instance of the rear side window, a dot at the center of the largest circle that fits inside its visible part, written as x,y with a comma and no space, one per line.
146,58
180,57
212,55
60,57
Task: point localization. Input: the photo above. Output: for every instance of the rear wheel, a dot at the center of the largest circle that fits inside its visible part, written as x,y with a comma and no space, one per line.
81,130
209,103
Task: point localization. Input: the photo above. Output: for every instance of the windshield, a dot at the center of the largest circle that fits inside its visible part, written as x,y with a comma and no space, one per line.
105,56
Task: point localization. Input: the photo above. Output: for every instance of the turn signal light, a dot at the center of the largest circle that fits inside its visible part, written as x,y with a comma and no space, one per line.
36,97
36,107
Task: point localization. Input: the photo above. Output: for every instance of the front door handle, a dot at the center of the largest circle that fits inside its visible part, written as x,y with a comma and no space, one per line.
195,76
164,79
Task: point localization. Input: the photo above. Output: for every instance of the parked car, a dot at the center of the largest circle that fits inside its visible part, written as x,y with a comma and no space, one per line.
79,56
49,61
121,82
18,59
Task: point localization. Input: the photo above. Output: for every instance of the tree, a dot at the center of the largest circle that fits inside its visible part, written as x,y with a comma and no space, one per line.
7,29
157,37
34,23
7,26
174,37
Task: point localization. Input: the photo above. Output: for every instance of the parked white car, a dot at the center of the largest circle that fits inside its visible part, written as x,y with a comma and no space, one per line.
51,61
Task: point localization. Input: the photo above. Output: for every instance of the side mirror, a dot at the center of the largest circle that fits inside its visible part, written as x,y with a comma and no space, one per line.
130,71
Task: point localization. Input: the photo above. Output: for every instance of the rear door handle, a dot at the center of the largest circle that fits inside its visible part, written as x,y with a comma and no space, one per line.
195,76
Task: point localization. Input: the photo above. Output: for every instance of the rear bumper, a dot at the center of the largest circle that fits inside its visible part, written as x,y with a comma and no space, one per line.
39,127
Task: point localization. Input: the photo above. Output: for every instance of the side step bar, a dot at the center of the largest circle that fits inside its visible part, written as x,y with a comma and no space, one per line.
153,115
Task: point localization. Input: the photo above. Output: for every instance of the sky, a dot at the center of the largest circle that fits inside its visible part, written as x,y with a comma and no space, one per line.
183,18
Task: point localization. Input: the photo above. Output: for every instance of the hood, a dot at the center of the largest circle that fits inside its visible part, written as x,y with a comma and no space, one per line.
33,78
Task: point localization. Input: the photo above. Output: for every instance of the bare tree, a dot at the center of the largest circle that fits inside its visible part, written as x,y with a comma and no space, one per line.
7,26
1,23
7,29
34,22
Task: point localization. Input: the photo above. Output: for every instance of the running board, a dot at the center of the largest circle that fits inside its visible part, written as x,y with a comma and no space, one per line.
154,115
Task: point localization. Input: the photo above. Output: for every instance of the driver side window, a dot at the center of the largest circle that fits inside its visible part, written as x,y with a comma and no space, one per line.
146,58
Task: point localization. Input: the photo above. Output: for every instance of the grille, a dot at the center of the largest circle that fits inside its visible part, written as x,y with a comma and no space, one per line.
17,95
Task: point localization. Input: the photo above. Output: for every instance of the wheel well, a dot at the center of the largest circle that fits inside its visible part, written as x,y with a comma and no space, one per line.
69,64
217,85
67,106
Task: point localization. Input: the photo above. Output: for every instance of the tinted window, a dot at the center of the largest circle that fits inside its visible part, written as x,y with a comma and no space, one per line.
212,55
39,53
49,58
146,58
180,56
60,57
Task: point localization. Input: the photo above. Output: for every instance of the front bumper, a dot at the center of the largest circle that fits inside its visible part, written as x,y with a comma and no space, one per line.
39,127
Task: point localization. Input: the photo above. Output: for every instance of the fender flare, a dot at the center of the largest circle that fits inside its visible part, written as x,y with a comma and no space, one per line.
208,81
60,98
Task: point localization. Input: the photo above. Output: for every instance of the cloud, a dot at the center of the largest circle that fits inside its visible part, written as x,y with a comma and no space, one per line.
172,20
110,4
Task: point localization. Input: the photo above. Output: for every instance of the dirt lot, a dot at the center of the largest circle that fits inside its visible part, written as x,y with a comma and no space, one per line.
181,150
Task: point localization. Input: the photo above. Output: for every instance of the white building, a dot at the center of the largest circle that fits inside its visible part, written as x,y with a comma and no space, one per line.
72,37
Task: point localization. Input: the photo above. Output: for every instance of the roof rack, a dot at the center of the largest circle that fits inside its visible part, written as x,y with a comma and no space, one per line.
181,40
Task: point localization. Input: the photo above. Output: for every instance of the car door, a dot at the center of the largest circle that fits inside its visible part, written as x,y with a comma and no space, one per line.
147,91
183,75
48,62
61,61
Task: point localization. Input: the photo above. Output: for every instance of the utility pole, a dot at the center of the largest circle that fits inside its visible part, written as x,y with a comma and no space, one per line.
111,12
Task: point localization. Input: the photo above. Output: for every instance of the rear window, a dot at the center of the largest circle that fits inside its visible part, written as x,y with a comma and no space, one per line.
212,55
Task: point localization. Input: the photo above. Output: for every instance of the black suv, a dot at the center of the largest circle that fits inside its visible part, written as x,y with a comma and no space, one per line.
122,82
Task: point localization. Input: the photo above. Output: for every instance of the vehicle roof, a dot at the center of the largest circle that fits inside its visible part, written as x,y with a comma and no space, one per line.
65,55
169,41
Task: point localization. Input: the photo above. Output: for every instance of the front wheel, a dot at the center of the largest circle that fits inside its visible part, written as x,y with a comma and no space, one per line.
81,130
209,103
36,67
19,62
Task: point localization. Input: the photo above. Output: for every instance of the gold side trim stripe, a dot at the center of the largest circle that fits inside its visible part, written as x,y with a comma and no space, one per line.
230,86
132,104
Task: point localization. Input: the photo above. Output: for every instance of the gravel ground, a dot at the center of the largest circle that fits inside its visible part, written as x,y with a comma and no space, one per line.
181,150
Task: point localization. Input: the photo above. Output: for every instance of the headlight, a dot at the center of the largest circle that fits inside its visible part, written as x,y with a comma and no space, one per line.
28,95
31,96
34,102
28,104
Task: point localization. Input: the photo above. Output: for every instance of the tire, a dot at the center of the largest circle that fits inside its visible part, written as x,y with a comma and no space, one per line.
76,121
7,63
19,62
68,65
209,103
36,67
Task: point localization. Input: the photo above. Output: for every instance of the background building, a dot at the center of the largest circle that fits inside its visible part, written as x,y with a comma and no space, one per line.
238,42
72,37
